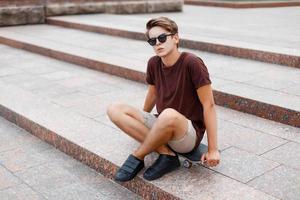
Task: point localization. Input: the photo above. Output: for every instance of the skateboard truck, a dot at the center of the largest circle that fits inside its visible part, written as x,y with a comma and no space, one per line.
193,157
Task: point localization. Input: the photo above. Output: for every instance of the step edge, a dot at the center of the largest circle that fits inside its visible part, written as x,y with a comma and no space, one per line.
239,5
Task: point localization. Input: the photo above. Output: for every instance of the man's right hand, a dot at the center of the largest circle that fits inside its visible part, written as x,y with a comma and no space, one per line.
211,158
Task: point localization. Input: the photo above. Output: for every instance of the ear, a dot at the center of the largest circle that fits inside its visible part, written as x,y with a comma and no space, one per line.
176,37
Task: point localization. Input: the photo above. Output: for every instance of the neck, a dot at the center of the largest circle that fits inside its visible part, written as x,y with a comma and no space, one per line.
170,59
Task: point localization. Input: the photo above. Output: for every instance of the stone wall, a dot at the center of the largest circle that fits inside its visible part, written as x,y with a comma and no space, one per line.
6,3
22,15
14,12
56,7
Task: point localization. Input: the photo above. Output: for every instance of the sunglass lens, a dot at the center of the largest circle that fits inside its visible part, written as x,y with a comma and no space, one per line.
152,41
162,38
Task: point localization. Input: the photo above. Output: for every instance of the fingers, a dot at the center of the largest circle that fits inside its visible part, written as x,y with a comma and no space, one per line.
210,160
203,158
213,163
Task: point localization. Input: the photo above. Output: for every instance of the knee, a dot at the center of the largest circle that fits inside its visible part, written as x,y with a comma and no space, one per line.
114,110
169,117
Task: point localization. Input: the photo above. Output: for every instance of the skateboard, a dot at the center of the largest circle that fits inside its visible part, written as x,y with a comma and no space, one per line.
193,157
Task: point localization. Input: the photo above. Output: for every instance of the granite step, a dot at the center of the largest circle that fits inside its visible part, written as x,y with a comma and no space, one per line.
65,105
244,4
239,33
32,169
266,90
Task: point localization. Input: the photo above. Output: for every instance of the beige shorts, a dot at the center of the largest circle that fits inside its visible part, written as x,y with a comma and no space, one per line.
183,145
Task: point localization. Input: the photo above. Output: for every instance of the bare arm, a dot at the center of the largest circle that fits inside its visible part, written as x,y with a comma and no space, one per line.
206,98
150,99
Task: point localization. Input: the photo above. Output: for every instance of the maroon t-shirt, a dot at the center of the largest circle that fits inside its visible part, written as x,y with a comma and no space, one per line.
177,86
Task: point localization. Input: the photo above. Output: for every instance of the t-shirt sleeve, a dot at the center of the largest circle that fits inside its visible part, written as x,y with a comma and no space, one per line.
199,73
150,78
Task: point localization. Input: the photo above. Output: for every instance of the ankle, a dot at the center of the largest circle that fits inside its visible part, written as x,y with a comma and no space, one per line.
167,152
138,156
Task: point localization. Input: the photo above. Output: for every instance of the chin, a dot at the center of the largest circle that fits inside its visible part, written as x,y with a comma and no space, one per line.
162,53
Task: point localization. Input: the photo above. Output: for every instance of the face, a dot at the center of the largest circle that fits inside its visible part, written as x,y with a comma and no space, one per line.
163,49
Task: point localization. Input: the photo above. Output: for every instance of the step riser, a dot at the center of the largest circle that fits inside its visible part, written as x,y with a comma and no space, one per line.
33,14
260,109
241,4
268,57
105,167
267,111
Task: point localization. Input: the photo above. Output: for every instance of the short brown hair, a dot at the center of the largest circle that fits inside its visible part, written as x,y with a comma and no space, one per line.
162,22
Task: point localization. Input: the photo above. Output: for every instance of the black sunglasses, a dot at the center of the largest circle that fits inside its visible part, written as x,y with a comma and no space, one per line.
161,38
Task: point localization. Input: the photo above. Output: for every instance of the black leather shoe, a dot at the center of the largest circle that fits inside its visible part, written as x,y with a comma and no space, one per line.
164,164
129,169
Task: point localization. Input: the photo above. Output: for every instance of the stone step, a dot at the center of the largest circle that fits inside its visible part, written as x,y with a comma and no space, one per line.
244,4
266,90
65,105
236,33
32,169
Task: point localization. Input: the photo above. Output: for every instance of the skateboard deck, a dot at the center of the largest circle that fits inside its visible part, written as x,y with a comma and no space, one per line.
193,157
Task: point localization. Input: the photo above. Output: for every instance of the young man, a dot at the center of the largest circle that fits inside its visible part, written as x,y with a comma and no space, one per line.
180,87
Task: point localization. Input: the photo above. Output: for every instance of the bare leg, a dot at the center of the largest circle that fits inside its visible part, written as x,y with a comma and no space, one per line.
170,125
130,120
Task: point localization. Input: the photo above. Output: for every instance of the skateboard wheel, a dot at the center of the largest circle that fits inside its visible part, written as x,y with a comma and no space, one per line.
187,164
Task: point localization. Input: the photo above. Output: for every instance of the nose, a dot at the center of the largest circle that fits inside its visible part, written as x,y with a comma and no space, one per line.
157,42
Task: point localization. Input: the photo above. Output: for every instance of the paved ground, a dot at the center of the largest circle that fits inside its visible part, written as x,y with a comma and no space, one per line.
260,158
32,169
257,155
